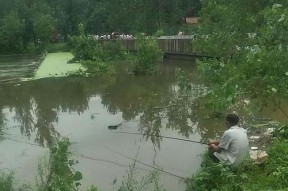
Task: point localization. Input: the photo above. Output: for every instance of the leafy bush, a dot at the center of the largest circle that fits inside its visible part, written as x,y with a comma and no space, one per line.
216,176
114,50
97,68
281,131
271,175
148,53
6,181
84,47
277,165
58,174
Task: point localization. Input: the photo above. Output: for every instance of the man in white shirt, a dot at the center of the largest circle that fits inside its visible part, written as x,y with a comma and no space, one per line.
234,144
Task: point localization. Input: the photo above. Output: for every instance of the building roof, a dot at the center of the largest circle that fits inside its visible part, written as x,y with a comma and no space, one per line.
192,20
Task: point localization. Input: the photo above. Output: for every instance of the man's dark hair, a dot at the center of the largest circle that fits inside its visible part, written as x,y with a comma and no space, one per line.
232,119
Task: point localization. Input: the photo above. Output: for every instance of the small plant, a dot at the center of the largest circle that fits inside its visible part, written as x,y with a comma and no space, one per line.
281,131
58,173
6,181
149,182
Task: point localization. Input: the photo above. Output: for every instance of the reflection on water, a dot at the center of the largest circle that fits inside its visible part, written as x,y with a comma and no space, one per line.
83,109
16,66
155,99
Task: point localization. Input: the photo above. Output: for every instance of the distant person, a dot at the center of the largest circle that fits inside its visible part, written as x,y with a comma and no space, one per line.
180,33
114,35
233,147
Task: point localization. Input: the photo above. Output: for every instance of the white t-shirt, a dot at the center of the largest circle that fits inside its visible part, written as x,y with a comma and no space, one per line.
234,144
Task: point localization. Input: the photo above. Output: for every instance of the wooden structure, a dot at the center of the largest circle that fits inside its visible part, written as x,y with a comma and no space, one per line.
171,46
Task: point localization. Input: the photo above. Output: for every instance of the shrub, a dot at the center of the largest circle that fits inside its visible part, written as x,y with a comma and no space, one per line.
147,54
58,174
114,50
6,181
97,68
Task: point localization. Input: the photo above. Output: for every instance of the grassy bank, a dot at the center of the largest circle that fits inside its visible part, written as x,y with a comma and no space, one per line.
271,175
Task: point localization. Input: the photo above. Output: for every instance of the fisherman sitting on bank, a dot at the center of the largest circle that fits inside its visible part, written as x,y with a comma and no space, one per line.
233,147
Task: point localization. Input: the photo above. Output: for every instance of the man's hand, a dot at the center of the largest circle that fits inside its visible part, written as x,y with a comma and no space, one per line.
215,147
213,142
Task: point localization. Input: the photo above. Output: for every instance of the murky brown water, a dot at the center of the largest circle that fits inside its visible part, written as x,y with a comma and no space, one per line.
36,112
16,66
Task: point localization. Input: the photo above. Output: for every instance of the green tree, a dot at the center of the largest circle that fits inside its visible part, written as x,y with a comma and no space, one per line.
10,33
248,39
44,27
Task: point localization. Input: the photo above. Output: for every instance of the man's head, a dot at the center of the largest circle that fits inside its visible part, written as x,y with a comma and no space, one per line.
232,120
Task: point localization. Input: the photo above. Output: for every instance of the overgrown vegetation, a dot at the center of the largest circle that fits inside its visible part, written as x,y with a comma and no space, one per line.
95,56
38,23
58,173
147,54
6,181
271,175
249,42
132,182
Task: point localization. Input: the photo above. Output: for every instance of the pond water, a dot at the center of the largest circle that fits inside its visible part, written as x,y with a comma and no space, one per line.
35,113
15,66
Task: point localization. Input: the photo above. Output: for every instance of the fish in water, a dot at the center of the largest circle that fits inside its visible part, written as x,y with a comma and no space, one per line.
114,127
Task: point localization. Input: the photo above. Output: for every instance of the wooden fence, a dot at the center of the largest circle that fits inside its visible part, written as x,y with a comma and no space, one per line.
168,45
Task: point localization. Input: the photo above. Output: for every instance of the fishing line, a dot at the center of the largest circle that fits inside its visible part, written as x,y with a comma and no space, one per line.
91,158
143,163
167,137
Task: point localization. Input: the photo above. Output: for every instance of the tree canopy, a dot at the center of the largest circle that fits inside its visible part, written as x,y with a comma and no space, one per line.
249,42
24,21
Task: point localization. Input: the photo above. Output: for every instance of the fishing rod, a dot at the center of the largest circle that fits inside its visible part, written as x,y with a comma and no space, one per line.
167,137
91,158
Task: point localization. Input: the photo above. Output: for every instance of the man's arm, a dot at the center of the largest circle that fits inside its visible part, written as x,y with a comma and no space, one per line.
215,147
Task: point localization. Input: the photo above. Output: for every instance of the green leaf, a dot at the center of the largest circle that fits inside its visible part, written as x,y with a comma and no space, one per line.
77,184
77,176
71,162
274,90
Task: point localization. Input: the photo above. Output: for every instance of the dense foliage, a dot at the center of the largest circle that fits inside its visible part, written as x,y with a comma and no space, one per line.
59,172
94,55
249,41
43,21
271,175
147,54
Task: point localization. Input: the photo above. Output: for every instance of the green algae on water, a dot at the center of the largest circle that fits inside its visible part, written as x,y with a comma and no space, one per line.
55,65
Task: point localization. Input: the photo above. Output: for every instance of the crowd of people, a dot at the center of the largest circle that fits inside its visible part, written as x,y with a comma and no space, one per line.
113,35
